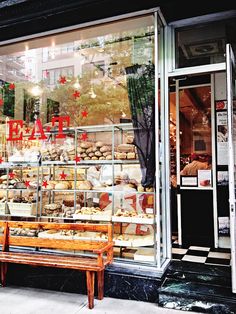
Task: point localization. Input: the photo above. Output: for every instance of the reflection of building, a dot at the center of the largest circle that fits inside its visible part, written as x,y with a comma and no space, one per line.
11,68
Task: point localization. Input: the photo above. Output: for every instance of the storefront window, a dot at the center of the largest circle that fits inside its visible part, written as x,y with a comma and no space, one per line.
78,131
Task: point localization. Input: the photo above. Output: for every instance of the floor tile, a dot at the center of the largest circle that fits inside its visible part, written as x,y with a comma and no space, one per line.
218,261
177,256
196,259
199,248
222,250
179,251
197,253
219,255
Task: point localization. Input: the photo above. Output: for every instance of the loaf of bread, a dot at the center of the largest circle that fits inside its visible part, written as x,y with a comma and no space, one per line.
130,155
126,148
86,145
105,148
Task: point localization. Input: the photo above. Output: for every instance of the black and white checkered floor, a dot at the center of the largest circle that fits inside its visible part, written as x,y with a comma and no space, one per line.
199,254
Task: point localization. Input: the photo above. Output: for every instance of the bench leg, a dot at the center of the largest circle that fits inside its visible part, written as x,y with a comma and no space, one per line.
3,273
90,288
100,275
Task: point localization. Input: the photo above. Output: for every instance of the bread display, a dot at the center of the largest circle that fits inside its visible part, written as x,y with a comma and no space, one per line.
53,209
56,152
95,151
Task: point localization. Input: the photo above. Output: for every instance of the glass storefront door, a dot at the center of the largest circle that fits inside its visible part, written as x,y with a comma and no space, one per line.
191,161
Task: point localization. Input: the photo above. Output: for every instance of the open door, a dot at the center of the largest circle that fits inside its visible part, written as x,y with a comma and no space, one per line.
231,100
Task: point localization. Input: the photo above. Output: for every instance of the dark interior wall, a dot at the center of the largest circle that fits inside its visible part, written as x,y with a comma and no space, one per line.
25,17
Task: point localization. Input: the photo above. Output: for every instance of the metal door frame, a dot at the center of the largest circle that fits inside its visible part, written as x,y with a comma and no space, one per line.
230,67
213,150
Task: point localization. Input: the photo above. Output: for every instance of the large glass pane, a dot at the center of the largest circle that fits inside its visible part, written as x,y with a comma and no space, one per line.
80,106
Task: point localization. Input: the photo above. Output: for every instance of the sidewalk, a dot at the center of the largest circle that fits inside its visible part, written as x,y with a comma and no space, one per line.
22,300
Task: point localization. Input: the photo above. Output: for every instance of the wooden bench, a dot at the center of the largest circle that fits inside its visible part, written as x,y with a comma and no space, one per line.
90,264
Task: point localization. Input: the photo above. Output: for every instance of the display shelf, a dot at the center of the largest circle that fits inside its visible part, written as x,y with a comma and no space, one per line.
134,220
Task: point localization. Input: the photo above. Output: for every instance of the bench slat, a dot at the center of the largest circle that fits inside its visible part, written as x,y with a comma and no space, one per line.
56,243
53,261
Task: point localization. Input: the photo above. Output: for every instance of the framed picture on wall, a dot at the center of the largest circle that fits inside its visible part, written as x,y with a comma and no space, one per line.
188,181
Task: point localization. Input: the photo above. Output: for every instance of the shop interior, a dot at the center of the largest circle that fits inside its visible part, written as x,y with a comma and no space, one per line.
199,184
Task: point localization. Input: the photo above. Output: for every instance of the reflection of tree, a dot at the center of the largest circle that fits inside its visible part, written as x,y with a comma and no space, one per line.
109,102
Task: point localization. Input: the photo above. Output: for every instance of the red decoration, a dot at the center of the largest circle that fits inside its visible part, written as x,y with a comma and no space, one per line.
1,102
77,159
45,184
84,137
63,175
11,86
27,183
76,94
11,175
62,80
27,130
1,160
84,113
48,128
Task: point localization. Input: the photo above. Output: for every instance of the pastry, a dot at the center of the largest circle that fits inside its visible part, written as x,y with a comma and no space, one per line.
99,144
86,144
109,157
120,155
98,154
62,186
105,148
126,148
84,185
130,155
106,153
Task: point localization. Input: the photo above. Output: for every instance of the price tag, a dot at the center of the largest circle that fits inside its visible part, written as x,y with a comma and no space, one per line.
96,200
149,210
144,228
129,201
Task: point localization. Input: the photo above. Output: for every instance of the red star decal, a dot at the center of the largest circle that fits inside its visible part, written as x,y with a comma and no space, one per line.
12,86
1,160
84,113
48,128
62,80
63,175
11,175
77,159
27,183
45,184
76,94
27,130
1,102
84,137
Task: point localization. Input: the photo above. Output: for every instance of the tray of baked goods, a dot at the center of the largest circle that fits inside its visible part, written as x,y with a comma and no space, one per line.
120,240
22,206
72,235
92,213
132,216
103,151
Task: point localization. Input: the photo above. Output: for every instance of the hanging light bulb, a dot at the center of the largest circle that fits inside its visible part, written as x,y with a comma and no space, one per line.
92,94
77,84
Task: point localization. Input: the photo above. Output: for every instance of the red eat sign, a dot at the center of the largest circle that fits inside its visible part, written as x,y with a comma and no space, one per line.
16,129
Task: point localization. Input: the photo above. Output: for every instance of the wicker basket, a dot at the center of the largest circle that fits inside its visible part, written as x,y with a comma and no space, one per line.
22,209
